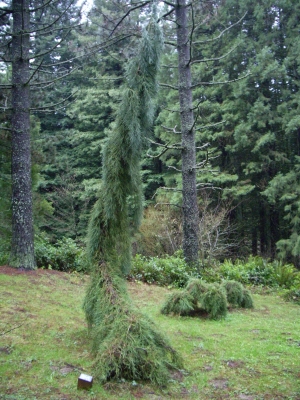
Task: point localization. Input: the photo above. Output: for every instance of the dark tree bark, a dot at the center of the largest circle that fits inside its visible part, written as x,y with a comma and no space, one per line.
189,190
22,251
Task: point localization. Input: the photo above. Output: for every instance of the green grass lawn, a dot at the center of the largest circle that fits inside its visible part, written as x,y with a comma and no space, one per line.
252,354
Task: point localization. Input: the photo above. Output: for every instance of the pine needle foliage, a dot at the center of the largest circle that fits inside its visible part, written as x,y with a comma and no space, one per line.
196,288
179,303
125,343
111,223
213,298
234,292
247,301
214,302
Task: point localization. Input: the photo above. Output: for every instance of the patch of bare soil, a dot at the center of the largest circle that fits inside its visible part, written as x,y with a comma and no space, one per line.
207,368
5,350
6,270
219,383
246,397
234,363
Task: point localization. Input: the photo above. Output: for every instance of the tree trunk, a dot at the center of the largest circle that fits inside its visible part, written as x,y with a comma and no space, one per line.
22,250
189,190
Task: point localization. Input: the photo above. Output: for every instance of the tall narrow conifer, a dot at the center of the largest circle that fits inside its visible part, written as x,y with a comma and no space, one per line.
126,344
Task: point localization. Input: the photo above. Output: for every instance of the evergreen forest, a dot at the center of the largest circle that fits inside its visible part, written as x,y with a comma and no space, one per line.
237,111
157,142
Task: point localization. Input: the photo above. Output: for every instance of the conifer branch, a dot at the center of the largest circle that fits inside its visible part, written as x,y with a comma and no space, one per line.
176,169
47,83
167,204
205,60
202,164
49,27
168,3
191,35
34,72
219,82
168,86
5,11
172,129
203,146
45,5
204,186
126,15
175,146
171,44
57,19
170,66
165,188
164,16
53,48
209,125
5,45
92,50
221,33
54,105
172,111
2,128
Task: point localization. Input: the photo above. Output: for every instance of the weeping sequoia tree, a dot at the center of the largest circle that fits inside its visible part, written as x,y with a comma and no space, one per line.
125,343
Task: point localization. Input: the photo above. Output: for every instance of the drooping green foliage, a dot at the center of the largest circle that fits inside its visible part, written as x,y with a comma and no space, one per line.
234,292
214,302
196,288
247,301
125,344
210,297
180,303
119,207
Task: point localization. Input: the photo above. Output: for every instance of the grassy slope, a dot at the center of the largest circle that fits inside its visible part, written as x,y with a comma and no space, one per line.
253,354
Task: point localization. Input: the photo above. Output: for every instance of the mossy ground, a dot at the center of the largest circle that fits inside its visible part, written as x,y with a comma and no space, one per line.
252,354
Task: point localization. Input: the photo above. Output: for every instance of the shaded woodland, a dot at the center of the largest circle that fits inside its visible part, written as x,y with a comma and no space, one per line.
244,66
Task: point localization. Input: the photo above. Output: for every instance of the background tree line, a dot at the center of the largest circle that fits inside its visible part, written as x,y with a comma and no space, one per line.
245,102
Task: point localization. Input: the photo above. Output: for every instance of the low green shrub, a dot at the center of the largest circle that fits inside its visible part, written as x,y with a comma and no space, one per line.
65,255
247,301
214,302
4,258
196,288
233,271
213,298
259,271
293,294
234,292
285,274
180,303
168,271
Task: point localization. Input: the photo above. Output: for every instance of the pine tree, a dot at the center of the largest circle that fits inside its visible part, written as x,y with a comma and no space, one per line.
143,353
28,67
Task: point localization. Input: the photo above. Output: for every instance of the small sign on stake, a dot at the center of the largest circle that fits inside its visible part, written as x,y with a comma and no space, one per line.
85,381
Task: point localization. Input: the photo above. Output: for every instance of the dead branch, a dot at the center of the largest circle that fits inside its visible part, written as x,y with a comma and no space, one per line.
221,33
205,60
219,83
209,125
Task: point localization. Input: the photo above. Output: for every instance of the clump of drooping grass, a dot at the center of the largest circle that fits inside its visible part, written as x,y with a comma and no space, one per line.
196,288
126,344
214,302
234,292
247,301
180,303
213,298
